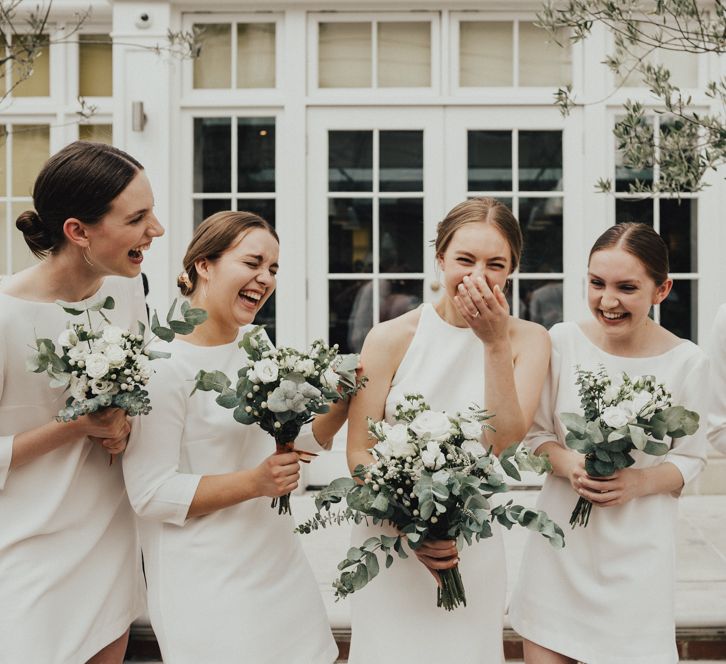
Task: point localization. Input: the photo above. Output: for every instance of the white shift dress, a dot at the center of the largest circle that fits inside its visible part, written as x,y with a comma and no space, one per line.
70,574
395,619
608,596
233,586
717,375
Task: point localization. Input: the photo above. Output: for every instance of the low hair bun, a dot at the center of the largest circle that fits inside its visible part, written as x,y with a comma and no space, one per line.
185,284
36,235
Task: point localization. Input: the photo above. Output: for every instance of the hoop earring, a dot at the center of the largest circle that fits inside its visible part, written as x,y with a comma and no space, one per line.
85,258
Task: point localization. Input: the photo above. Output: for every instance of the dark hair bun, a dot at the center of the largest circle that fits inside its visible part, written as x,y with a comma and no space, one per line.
36,236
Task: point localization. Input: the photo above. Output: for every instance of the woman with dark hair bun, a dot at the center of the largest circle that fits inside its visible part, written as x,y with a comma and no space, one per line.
69,559
608,596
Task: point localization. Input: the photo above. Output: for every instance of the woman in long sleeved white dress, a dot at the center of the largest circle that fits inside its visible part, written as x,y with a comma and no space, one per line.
608,596
465,349
70,578
227,578
717,382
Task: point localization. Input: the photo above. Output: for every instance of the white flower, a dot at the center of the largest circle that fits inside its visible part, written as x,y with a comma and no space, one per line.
383,449
291,396
78,352
79,386
432,457
610,394
473,447
266,370
641,401
330,379
115,355
67,339
98,346
305,366
112,334
397,438
615,416
436,424
103,386
289,362
252,376
97,365
471,430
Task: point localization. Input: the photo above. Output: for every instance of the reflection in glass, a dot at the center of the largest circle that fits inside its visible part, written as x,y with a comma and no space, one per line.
542,61
351,313
632,209
540,160
541,223
401,161
255,154
397,296
255,55
541,301
679,311
350,160
350,235
95,68
679,230
212,155
486,53
208,206
489,160
344,55
404,55
98,133
263,207
31,148
401,235
213,67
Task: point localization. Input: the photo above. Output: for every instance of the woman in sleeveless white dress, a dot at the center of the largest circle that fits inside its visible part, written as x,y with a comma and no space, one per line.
227,578
608,596
464,350
70,572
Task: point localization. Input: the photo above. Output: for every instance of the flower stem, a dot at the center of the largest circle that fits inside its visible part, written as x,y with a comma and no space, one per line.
451,592
581,513
283,502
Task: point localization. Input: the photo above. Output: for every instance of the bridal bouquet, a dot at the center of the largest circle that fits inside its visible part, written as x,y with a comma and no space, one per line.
281,389
108,366
621,415
430,478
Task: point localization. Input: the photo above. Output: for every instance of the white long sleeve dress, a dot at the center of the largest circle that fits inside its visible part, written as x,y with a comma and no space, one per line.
608,596
70,573
395,619
717,380
232,586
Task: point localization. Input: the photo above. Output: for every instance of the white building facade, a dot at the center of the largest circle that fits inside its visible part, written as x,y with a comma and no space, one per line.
354,127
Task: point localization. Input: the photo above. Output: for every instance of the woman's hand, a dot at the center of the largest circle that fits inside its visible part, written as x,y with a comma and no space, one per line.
484,309
618,489
438,555
278,475
106,424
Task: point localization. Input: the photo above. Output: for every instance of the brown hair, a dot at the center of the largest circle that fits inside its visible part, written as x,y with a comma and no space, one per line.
481,210
215,235
641,241
81,181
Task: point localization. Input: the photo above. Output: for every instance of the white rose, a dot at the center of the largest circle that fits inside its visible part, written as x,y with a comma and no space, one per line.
473,447
397,438
305,367
615,417
97,365
641,400
330,379
79,386
433,423
76,353
266,370
112,334
383,449
610,394
98,346
67,339
103,387
471,430
115,355
432,457
289,362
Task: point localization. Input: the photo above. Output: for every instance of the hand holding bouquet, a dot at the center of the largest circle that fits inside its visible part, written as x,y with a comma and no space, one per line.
282,389
621,415
431,478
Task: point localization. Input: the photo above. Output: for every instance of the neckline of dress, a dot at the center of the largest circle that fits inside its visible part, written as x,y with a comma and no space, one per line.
435,315
684,342
63,303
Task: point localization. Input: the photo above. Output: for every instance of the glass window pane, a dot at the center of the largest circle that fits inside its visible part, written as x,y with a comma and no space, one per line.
542,62
256,55
401,234
351,313
263,207
34,77
344,55
255,154
489,160
486,53
31,149
540,160
541,301
401,156
679,230
404,55
350,235
350,160
98,133
95,66
397,296
206,207
541,222
21,256
679,311
629,209
212,154
213,67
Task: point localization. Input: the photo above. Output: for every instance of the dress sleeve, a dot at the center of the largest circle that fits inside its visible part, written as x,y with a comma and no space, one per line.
688,454
543,429
156,488
716,425
6,442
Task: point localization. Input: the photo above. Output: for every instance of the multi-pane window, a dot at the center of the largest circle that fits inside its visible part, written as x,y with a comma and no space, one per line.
375,230
511,54
234,169
523,168
95,65
25,80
